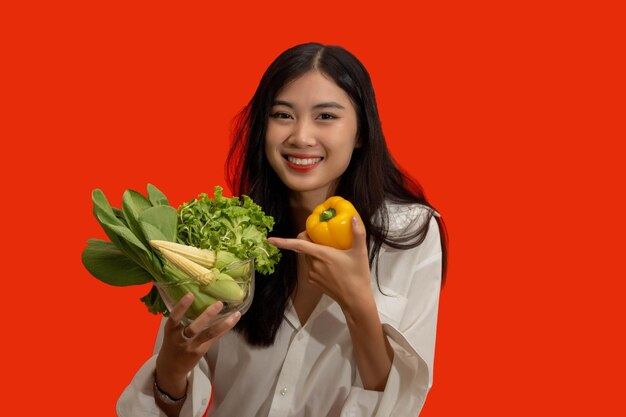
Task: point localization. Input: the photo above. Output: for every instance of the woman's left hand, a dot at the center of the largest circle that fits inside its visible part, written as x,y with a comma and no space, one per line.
343,275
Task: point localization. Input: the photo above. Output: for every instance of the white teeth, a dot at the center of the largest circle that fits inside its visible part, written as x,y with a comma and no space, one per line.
306,161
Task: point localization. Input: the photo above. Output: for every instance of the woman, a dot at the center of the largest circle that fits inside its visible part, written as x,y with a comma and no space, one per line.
331,332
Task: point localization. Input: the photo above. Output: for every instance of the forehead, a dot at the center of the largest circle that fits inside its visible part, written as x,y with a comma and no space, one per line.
311,88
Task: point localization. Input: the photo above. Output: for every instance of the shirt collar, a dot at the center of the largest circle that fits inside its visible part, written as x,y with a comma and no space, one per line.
292,317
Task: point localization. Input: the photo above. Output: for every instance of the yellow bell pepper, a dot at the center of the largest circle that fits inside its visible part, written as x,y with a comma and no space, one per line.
330,223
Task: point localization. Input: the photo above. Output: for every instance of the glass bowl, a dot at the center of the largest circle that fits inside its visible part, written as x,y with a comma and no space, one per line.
243,274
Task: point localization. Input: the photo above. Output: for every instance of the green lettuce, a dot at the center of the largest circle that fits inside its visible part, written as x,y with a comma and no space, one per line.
235,225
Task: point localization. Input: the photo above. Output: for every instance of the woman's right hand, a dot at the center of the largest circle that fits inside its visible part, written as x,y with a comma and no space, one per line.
183,347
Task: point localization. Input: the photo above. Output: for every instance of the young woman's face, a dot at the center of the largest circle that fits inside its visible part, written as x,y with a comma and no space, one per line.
311,133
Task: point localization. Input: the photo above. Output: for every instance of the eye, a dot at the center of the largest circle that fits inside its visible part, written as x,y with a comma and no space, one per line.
280,115
327,116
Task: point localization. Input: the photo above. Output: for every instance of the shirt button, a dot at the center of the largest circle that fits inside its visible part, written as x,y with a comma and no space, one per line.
204,401
283,391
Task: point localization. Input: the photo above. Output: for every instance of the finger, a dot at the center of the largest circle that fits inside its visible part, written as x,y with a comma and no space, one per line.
201,322
298,245
219,328
180,308
359,241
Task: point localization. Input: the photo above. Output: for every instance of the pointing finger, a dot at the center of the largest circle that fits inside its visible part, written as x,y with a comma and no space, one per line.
297,245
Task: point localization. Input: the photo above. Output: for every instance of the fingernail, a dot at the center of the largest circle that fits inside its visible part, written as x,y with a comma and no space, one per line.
234,318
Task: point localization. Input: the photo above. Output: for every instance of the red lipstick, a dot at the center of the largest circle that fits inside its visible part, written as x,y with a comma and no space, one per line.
302,167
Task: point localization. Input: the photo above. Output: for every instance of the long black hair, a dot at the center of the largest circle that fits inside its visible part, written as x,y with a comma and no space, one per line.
372,176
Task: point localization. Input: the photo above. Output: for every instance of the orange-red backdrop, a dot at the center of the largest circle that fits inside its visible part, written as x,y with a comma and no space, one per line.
507,113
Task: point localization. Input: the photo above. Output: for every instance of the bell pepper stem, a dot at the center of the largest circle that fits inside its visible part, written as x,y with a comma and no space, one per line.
327,214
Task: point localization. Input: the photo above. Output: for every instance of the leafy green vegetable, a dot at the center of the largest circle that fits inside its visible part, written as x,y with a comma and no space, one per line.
156,197
133,204
109,264
129,259
154,302
235,225
164,218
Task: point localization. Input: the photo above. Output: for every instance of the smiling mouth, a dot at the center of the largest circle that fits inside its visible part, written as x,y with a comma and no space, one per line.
302,162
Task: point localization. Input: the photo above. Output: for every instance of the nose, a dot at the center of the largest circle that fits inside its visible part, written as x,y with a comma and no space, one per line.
303,134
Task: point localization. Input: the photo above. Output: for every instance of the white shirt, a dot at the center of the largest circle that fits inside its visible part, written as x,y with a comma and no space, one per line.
310,370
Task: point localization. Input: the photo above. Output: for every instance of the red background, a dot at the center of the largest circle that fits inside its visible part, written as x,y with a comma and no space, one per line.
510,115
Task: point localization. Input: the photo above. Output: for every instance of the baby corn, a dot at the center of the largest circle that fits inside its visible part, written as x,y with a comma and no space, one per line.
212,282
226,286
204,257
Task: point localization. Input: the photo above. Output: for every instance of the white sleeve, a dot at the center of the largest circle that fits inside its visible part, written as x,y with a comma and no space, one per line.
409,316
137,399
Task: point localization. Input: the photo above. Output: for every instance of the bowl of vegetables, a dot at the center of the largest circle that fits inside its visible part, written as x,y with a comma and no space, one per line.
212,247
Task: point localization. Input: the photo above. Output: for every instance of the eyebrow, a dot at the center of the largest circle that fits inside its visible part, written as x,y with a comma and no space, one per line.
331,104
